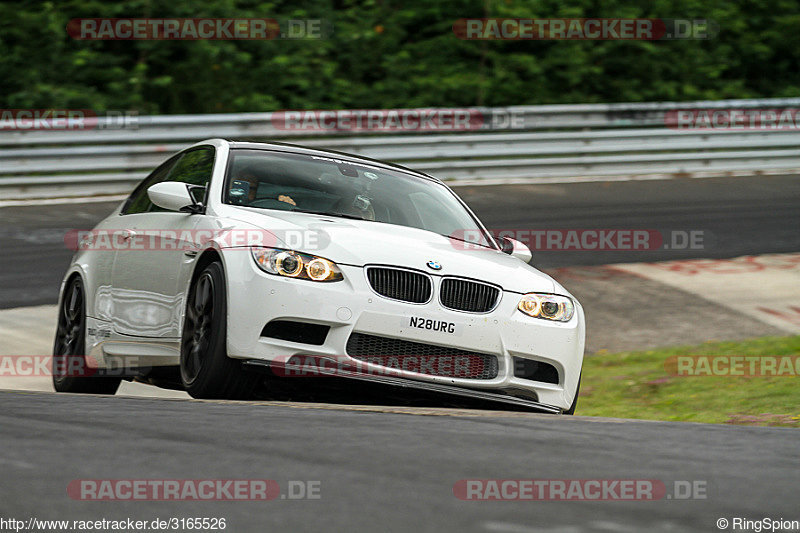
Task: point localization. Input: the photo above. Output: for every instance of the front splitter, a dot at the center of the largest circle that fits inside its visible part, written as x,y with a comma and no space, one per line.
257,364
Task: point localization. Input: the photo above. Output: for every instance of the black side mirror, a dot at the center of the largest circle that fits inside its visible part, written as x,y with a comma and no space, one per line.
507,245
516,249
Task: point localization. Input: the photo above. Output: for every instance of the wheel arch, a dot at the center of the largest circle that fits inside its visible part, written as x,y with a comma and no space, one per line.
72,273
208,256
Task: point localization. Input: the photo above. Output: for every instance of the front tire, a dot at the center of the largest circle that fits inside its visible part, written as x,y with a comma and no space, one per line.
206,370
70,371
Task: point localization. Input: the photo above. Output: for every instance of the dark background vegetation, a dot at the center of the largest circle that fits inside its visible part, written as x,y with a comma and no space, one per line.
390,53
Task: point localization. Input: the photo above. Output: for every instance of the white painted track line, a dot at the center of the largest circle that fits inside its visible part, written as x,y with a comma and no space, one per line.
765,287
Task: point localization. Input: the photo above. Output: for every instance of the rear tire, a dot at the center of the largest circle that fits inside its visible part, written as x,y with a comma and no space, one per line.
70,370
206,370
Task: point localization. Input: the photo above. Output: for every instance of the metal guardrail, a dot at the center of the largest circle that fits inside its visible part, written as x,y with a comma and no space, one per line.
547,141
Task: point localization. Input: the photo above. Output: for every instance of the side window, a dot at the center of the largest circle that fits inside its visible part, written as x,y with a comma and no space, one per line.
138,201
194,167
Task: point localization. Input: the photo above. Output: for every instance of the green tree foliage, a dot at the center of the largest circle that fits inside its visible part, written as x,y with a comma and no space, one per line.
390,53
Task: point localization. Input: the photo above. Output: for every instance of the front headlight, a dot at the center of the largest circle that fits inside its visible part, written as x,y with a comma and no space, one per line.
291,264
547,306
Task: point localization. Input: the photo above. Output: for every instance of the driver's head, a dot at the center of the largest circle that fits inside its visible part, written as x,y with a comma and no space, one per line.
361,207
247,174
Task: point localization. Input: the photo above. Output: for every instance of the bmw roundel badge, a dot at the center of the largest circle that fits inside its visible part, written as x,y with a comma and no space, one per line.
434,265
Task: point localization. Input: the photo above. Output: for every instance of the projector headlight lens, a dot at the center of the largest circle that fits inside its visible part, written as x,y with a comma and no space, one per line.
547,306
291,264
319,269
288,264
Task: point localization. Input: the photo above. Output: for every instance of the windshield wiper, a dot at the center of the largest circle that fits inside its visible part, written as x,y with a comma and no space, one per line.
328,214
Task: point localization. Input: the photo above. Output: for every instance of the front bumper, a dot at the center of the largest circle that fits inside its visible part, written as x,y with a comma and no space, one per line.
256,298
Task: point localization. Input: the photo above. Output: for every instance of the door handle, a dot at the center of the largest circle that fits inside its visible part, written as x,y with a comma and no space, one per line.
125,234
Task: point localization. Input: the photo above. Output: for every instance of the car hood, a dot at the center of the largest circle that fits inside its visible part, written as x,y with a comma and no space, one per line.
359,243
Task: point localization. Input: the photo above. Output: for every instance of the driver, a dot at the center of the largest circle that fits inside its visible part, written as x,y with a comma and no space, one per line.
360,206
248,176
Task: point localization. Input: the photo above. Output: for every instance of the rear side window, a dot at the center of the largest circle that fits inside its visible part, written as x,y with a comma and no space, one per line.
193,167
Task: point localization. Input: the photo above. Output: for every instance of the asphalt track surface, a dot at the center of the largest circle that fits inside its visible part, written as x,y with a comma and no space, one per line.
738,215
393,468
384,470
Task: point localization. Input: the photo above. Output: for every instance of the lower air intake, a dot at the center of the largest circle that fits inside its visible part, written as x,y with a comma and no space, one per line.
535,370
421,358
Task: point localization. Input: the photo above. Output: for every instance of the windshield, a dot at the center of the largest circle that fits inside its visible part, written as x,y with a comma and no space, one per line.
337,187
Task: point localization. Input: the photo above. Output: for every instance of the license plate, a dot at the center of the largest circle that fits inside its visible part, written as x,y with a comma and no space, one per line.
417,323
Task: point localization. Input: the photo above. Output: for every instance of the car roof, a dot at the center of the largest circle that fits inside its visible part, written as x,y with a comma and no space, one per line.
304,150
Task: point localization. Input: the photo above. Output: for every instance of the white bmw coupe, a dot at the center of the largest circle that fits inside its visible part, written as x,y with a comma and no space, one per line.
232,257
